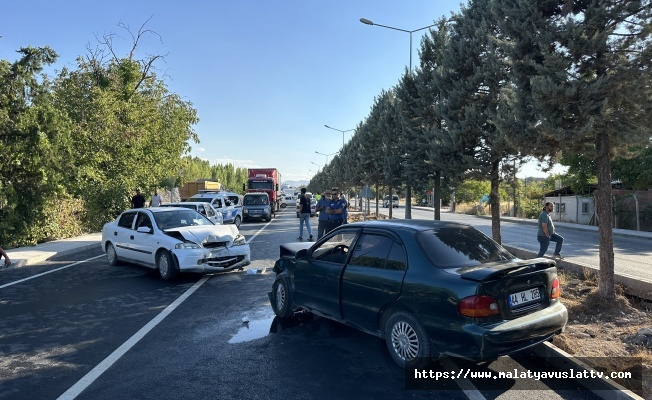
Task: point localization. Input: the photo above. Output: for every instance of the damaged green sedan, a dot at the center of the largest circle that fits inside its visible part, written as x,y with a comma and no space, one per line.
428,288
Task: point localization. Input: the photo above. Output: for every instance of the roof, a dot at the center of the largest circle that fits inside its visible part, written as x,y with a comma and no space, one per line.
415,224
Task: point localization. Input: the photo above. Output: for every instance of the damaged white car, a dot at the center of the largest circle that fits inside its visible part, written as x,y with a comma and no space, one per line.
174,240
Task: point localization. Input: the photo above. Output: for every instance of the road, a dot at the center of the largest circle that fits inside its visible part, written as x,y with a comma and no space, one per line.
632,256
75,327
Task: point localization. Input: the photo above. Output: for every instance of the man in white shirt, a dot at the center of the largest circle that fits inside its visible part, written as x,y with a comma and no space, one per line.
156,199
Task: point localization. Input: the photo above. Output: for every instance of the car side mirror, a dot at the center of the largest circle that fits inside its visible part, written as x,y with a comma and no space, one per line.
303,253
144,229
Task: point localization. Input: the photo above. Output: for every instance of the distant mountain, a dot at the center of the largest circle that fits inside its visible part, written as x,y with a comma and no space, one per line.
295,184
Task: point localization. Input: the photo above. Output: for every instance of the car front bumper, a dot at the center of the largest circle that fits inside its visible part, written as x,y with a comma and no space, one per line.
476,341
213,260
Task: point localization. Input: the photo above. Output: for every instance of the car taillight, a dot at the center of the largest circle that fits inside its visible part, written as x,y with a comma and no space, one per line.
556,289
477,306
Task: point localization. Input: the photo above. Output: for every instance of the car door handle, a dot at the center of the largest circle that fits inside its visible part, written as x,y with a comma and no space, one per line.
131,237
115,233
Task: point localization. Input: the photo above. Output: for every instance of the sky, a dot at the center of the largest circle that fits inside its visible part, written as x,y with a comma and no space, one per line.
264,76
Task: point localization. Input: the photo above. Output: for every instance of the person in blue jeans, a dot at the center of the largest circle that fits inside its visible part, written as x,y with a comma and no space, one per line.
304,214
322,204
546,233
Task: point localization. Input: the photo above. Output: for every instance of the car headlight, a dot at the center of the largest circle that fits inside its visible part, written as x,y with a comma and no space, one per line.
245,210
239,241
187,245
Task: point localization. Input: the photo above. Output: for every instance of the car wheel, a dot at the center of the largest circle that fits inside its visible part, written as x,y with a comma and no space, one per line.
111,255
407,341
165,265
281,298
283,205
237,221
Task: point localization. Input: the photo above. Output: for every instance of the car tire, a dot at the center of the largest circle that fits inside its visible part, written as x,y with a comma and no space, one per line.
281,298
111,255
283,205
237,221
407,341
165,265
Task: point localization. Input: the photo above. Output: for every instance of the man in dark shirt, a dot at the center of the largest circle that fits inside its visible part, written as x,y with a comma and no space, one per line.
138,201
335,209
304,214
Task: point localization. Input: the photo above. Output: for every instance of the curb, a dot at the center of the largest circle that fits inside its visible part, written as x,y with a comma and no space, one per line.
601,387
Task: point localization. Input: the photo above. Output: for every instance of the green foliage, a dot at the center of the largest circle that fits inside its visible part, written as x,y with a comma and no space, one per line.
471,191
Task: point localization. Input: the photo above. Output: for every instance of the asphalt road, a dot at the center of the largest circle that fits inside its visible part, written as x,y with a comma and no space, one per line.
86,330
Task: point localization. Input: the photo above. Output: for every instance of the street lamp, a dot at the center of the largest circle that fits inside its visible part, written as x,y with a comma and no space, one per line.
370,22
327,155
339,130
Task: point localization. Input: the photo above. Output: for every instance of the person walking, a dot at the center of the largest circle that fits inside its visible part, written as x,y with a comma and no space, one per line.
156,200
3,253
335,209
323,222
304,214
546,233
138,201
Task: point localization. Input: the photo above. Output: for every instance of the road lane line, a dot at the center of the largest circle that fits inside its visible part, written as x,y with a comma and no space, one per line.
49,272
467,387
96,372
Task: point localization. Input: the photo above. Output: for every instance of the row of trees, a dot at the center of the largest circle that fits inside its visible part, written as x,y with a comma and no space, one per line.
75,146
507,79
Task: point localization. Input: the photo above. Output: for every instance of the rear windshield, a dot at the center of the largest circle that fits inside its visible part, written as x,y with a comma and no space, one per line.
460,246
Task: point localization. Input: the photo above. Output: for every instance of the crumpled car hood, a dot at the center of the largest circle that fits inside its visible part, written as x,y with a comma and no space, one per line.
198,234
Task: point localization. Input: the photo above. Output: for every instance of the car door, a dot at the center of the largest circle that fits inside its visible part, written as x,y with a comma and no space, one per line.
143,244
121,233
373,278
317,277
209,213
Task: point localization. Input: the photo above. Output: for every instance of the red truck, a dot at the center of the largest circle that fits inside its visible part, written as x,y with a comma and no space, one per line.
267,180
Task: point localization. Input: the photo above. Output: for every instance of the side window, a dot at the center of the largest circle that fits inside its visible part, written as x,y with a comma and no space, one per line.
126,220
396,259
217,202
209,211
143,220
233,200
335,249
585,207
372,251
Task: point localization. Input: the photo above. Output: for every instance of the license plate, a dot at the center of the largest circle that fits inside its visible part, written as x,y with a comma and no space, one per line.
524,297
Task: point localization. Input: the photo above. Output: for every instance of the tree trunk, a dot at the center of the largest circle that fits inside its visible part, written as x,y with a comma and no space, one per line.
603,205
436,196
408,202
494,201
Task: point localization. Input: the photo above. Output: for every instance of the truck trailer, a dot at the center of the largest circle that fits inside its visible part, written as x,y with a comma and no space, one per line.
266,180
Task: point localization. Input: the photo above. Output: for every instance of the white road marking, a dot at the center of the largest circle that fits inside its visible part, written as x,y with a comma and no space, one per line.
95,373
467,387
48,272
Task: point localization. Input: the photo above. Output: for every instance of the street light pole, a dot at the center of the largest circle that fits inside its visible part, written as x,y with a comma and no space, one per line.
339,130
327,155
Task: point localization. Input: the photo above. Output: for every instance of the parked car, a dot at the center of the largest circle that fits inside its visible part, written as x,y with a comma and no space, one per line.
256,206
313,205
227,203
428,288
394,202
173,240
288,201
204,209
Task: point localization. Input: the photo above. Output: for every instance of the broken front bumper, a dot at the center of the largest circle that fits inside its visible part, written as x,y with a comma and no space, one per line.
214,260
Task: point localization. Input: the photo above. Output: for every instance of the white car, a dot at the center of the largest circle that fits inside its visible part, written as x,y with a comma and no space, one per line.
173,240
288,201
394,202
204,209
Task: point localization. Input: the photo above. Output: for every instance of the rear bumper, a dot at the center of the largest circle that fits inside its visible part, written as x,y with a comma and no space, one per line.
477,341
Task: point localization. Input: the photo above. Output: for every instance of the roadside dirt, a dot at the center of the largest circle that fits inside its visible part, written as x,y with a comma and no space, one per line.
613,336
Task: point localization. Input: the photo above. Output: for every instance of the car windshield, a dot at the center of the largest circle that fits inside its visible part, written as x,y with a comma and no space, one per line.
255,199
180,218
460,246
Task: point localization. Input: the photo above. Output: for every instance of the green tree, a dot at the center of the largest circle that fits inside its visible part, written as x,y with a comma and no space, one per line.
580,83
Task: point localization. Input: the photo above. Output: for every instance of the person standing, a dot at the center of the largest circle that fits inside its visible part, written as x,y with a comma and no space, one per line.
3,253
546,233
345,209
334,210
322,204
138,201
156,200
304,214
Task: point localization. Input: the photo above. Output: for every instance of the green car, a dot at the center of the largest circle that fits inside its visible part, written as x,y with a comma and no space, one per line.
429,288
